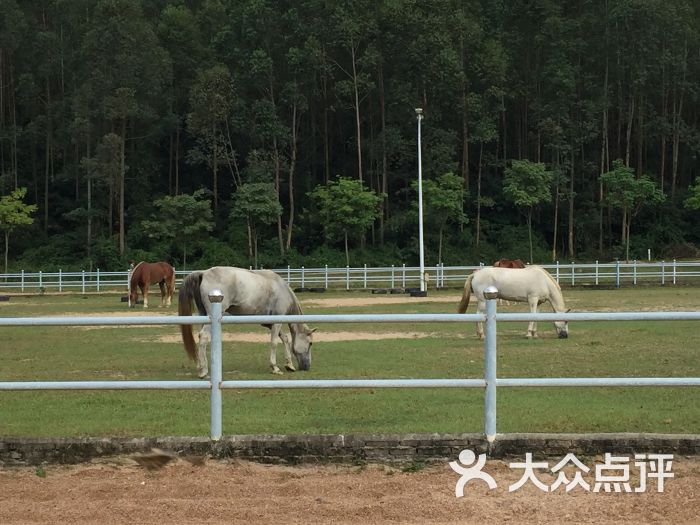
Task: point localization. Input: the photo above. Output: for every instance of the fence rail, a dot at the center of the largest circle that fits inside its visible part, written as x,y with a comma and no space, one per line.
216,384
390,277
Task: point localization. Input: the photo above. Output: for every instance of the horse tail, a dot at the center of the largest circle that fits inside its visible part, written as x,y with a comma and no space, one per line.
464,303
189,291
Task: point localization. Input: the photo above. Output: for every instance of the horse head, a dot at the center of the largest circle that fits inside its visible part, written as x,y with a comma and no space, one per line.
302,340
133,296
562,327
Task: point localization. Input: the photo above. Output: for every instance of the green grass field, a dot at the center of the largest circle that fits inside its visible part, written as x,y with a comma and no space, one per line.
427,350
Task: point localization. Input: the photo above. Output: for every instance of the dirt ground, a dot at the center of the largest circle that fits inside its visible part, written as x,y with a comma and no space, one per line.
119,491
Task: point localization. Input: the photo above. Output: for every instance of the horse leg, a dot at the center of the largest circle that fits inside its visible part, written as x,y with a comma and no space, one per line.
274,334
144,292
204,340
169,290
162,293
289,365
532,327
480,308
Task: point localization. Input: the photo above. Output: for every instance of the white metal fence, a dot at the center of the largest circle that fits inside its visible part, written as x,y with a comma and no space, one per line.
490,382
390,277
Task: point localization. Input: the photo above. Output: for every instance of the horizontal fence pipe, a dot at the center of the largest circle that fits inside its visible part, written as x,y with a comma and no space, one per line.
105,385
354,383
97,321
601,316
598,381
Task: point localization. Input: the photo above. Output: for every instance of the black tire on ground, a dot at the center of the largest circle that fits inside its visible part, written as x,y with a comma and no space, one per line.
379,291
418,293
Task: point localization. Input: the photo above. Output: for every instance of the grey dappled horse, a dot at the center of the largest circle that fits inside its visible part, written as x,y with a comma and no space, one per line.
532,285
257,292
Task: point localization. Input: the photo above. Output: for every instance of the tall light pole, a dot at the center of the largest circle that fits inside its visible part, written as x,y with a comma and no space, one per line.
419,117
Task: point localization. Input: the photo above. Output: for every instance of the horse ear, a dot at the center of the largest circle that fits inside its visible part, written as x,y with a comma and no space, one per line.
568,311
312,330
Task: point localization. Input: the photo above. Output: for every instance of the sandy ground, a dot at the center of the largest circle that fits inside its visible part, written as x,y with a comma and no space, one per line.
243,492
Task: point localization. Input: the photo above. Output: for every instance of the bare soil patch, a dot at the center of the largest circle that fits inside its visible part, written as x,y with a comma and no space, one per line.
322,337
243,492
336,302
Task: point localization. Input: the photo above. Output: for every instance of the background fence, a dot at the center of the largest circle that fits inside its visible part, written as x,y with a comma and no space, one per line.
216,384
391,277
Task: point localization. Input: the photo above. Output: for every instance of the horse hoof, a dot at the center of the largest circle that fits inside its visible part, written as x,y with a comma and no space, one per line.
277,371
290,368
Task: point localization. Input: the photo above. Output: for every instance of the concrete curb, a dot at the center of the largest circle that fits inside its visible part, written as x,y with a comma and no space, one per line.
344,448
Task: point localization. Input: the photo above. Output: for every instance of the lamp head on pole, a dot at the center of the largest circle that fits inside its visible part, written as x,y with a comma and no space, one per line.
419,113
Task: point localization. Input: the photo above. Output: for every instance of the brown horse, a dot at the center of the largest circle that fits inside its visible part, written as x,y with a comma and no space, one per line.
509,263
144,274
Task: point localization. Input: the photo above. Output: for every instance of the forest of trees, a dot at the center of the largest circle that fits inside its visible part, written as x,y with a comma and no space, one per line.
275,132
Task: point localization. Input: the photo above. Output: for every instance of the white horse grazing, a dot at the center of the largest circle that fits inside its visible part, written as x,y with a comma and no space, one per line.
259,292
533,285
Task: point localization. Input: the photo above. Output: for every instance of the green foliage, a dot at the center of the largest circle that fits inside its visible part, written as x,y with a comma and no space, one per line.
348,209
111,105
527,184
693,200
182,220
14,213
630,194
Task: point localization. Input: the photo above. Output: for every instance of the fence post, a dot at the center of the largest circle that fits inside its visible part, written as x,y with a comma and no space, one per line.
663,273
326,277
98,279
573,272
596,272
83,283
634,269
674,271
490,293
60,283
364,278
22,280
557,271
302,276
347,277
215,297
403,276
617,273
392,275
289,275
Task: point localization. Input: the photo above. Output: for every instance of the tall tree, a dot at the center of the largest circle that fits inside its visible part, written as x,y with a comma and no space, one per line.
14,213
527,184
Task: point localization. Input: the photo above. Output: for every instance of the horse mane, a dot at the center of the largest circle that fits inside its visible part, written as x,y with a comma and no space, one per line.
295,308
549,275
135,275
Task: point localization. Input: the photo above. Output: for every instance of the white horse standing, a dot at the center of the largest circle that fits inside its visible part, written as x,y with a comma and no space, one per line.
258,292
532,285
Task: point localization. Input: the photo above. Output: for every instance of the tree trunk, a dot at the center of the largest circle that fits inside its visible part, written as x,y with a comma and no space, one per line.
357,111
556,211
122,187
628,136
292,166
47,165
177,158
384,204
570,228
478,193
250,237
529,231
7,247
